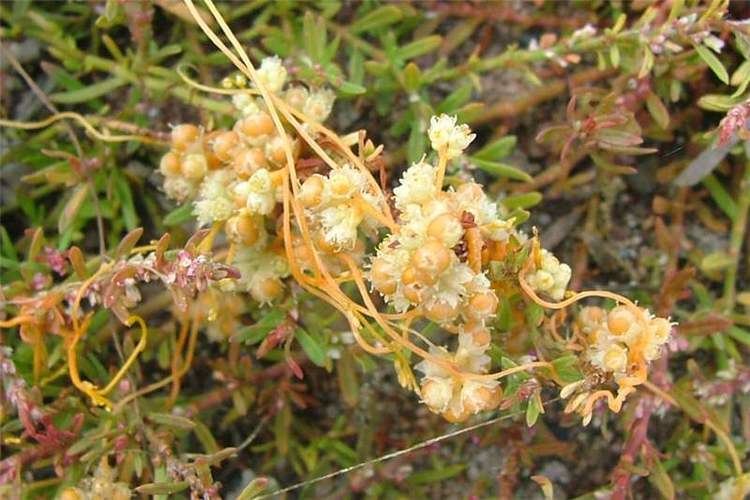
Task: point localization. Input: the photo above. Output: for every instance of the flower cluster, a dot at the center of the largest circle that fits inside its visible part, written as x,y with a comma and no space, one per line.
619,345
551,277
234,178
456,398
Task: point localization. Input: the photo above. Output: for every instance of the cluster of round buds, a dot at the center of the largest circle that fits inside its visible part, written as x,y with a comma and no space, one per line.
431,263
551,277
185,165
337,205
619,345
456,398
233,176
448,138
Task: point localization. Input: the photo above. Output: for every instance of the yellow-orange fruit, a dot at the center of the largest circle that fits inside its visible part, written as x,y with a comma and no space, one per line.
223,145
445,228
194,166
184,135
256,125
482,305
441,312
413,293
482,398
242,229
312,191
432,258
382,278
479,334
247,161
170,164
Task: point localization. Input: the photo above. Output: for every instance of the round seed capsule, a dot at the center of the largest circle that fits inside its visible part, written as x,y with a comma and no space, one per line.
619,320
441,312
248,161
413,293
447,229
432,258
184,135
478,398
194,166
482,305
242,229
312,191
480,335
382,278
256,125
437,394
170,164
223,145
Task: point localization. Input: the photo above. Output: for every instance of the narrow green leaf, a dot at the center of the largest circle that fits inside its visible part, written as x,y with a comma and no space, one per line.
312,346
455,99
523,200
351,88
172,421
253,489
713,62
162,488
419,47
720,196
98,89
179,215
497,149
658,110
497,169
378,18
72,207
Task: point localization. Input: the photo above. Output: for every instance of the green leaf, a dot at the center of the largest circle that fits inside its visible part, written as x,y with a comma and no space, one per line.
254,488
162,488
351,88
455,99
660,479
179,215
740,335
378,18
658,110
205,437
720,196
312,346
172,421
412,77
533,410
417,142
497,169
125,196
566,368
314,35
713,62
419,47
524,200
498,149
255,333
72,207
716,261
436,475
98,89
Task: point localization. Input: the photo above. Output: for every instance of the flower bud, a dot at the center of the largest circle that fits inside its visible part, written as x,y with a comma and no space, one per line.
257,125
441,312
248,161
223,145
447,229
242,229
194,166
432,258
170,164
437,393
482,305
312,191
382,278
184,135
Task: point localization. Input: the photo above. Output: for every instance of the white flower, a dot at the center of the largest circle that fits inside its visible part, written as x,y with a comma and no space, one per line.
340,224
417,185
245,104
319,104
448,138
272,73
261,195
215,200
178,188
551,278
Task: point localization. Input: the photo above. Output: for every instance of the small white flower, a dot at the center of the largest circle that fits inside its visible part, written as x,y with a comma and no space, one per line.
261,197
178,188
417,185
319,104
340,224
551,278
448,138
272,73
215,200
245,104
